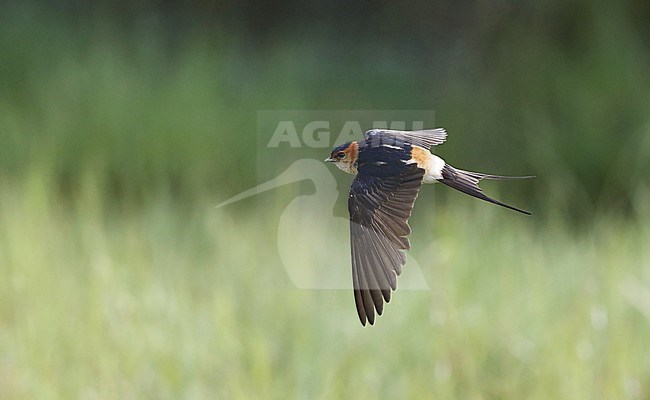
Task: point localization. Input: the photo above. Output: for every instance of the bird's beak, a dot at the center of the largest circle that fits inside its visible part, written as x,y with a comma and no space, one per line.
329,159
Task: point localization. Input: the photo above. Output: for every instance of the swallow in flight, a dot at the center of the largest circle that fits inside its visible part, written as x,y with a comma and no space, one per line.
390,166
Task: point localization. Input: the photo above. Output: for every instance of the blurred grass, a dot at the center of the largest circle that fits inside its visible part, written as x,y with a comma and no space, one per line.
152,106
120,279
192,302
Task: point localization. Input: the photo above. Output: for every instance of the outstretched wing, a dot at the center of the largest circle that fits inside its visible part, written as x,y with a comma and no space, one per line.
424,138
379,212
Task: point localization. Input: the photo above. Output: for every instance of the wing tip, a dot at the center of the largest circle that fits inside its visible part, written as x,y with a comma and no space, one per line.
426,137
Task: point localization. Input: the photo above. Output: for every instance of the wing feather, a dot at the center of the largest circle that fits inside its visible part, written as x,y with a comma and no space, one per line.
423,138
379,212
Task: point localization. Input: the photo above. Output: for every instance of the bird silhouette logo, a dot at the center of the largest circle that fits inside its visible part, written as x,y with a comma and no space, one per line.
309,218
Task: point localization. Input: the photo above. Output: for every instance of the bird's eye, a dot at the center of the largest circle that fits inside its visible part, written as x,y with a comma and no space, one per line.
340,155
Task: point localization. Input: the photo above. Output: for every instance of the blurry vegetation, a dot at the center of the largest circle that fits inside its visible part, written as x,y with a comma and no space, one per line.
121,126
159,95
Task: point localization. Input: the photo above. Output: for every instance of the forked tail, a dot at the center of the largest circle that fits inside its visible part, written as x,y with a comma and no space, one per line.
467,182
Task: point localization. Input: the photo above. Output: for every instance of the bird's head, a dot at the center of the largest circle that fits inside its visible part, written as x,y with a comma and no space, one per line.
345,157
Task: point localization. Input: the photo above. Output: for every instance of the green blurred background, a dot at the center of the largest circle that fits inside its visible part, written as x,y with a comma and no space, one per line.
122,125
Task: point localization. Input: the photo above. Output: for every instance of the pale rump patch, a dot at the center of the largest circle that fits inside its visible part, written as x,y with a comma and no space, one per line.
431,164
420,156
